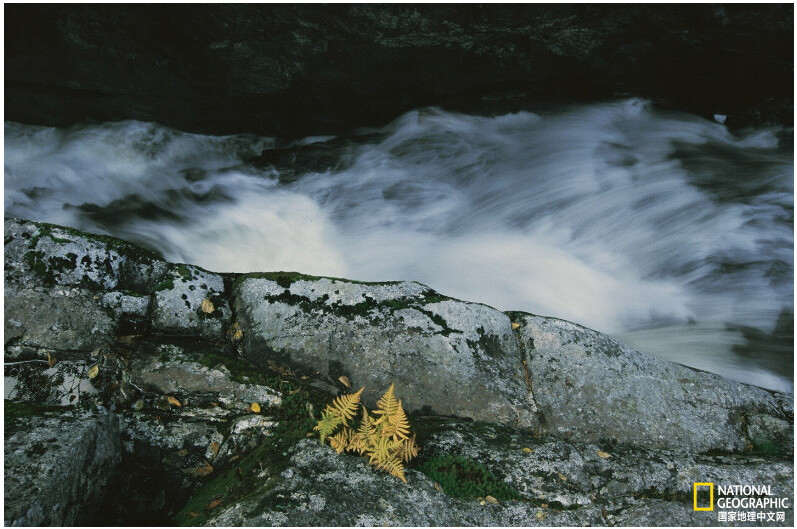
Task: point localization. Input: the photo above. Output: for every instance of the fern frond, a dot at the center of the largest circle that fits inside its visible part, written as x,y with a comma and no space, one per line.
366,435
394,467
383,450
407,449
388,405
345,406
327,424
340,440
400,426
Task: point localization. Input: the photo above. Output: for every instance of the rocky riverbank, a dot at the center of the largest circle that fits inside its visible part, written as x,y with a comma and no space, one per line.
130,383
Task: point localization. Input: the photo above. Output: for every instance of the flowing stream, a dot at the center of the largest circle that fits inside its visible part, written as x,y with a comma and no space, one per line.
664,230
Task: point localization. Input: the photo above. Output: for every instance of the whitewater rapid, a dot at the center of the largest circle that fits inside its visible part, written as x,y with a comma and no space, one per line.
665,230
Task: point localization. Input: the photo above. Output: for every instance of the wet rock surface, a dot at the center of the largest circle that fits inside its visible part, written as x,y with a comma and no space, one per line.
57,466
125,405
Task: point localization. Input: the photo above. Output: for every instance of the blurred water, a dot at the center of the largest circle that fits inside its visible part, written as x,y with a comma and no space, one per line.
664,230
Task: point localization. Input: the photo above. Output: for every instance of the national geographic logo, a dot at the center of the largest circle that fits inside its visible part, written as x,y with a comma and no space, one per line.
740,503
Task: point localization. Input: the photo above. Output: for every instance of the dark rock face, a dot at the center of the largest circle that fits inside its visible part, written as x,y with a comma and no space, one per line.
131,386
292,70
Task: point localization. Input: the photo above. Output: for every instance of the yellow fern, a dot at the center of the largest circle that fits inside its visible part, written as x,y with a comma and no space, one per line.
340,440
345,406
385,441
387,405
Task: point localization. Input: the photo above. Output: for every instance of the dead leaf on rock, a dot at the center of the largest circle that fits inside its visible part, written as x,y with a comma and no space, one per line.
235,332
173,401
515,326
214,504
562,477
255,407
438,487
604,455
214,448
345,381
51,360
203,470
94,371
540,515
233,458
491,499
528,450
207,306
193,514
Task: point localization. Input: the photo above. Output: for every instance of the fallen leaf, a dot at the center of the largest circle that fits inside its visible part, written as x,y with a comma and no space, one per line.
438,487
540,515
604,455
207,306
203,470
233,458
562,477
345,381
94,371
235,332
309,434
294,391
515,326
544,506
193,514
173,401
255,407
482,502
214,448
491,499
214,504
95,353
305,377
51,360
528,450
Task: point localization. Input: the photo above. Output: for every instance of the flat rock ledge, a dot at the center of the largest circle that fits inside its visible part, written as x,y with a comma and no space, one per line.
143,375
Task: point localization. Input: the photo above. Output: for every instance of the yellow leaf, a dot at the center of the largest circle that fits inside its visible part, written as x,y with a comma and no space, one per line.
562,477
51,360
604,455
515,326
491,499
540,515
207,306
173,401
94,371
203,470
235,332
214,448
345,381
528,450
255,407
438,487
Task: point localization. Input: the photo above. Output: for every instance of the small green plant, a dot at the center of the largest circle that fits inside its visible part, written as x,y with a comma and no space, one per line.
383,437
464,478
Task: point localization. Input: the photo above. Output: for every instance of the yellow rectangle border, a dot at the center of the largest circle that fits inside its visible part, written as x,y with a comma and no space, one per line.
710,496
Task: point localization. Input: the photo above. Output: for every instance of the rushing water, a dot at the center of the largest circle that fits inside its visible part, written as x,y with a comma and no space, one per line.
664,230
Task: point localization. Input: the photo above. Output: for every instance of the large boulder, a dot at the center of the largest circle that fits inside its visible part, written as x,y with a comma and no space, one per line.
590,387
446,356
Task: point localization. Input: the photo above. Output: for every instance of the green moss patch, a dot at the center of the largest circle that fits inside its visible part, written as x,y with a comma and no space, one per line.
464,478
